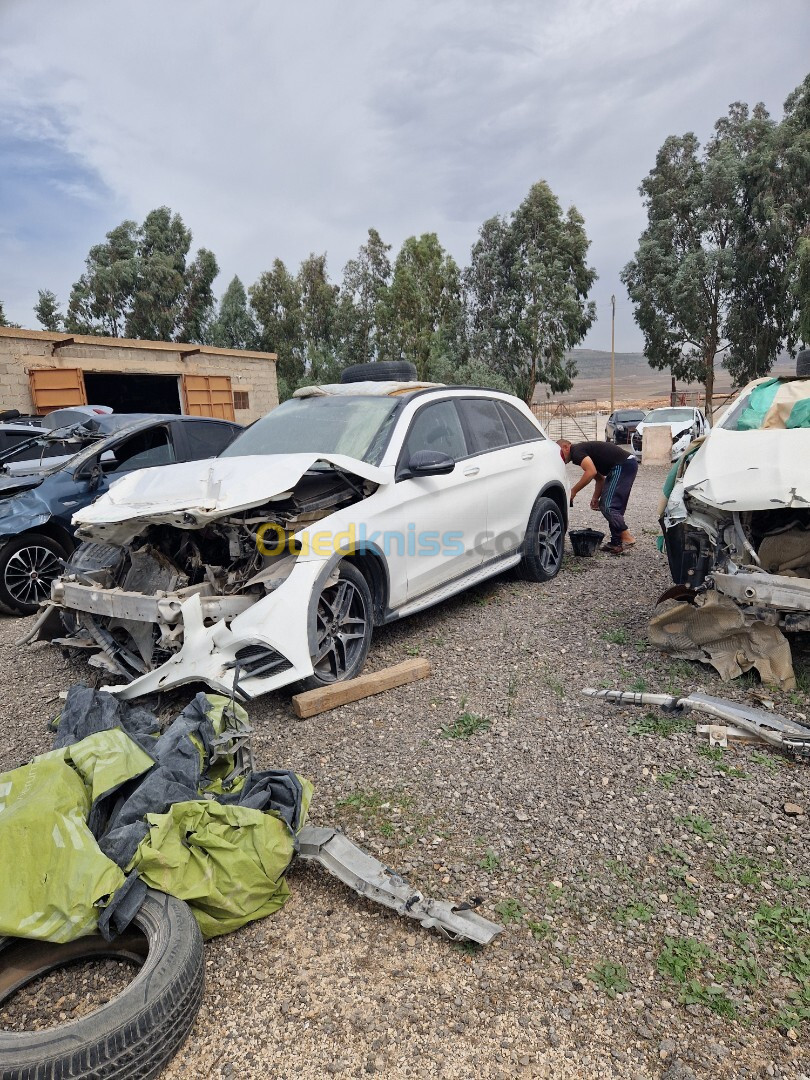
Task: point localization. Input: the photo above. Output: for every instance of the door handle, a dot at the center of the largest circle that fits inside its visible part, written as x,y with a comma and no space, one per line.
474,470
527,456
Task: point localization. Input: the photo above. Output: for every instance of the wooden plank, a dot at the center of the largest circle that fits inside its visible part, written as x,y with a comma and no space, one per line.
313,702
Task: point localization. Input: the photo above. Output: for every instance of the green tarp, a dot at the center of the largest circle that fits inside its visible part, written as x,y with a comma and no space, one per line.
759,402
222,844
55,876
227,862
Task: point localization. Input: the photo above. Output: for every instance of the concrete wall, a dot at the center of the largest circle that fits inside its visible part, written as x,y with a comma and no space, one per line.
22,350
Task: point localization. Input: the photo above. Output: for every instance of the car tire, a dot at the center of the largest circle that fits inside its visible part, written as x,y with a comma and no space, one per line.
803,364
22,557
381,371
344,620
544,542
136,1033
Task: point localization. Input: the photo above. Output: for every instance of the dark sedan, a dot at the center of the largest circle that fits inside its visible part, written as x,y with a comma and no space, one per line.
622,423
38,498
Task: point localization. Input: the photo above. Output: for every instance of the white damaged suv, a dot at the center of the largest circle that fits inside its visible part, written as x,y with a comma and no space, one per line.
347,507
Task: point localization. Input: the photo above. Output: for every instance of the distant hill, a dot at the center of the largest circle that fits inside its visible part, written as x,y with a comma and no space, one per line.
634,378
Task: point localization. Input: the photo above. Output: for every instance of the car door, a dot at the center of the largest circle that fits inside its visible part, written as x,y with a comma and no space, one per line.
505,464
438,521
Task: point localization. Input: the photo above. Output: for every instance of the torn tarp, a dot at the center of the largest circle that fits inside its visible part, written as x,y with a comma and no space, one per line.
181,816
715,631
54,874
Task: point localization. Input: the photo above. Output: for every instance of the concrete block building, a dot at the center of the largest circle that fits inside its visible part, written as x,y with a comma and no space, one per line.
40,371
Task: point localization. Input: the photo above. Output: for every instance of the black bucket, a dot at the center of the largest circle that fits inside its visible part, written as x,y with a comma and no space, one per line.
585,541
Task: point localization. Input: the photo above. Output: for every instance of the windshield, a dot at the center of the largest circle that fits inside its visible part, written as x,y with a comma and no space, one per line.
669,416
40,454
628,414
355,426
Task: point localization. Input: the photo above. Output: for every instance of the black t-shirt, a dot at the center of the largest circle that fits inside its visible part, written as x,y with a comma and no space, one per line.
605,456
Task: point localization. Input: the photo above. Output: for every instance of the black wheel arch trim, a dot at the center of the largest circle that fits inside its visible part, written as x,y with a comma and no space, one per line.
356,556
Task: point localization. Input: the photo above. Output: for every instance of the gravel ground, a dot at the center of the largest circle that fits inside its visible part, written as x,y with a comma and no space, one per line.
655,895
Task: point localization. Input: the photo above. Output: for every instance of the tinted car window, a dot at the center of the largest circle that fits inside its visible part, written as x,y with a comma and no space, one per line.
140,451
519,428
484,423
206,438
436,427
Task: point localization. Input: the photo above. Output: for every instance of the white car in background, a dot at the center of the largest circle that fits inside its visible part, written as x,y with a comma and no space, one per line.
347,507
685,423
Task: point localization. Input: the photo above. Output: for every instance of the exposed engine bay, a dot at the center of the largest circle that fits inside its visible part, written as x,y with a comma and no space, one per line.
128,605
759,558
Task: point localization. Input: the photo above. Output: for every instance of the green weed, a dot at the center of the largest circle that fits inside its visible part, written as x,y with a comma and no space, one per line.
685,903
681,957
510,911
615,637
620,869
663,724
766,760
639,911
464,726
540,930
713,753
610,977
699,825
739,869
490,861
669,779
775,922
713,997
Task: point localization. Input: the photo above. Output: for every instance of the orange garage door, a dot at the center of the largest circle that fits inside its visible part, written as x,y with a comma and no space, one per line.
56,388
208,395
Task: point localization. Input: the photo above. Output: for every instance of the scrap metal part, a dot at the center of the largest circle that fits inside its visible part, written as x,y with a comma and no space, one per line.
370,878
771,727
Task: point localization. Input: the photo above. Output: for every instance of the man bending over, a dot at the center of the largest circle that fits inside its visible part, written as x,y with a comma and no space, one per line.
614,470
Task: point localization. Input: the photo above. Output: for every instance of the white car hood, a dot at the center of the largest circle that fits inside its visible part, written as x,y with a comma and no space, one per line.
210,489
751,470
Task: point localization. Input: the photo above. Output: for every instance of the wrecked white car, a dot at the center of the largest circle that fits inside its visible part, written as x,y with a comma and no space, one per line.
737,517
345,508
684,422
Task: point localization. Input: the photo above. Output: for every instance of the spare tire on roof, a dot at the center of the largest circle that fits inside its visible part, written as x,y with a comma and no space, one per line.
803,363
381,371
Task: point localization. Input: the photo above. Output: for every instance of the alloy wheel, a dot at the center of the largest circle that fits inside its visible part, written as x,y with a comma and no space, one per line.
549,541
29,573
341,628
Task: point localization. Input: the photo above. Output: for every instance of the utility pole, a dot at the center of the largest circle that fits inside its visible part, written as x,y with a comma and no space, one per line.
612,352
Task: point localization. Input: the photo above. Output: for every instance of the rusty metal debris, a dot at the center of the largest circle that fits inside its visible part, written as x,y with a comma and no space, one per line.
771,727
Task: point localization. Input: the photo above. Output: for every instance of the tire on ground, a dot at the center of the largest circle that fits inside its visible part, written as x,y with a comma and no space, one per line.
8,602
381,371
544,542
139,1031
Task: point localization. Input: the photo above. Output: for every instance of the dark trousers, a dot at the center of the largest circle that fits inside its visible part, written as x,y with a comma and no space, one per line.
615,493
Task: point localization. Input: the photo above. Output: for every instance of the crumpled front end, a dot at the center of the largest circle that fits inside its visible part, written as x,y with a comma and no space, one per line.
226,601
738,520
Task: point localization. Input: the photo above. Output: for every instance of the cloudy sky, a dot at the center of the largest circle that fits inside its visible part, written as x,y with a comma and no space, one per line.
277,129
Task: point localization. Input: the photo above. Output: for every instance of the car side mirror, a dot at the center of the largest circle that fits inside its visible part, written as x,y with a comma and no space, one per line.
427,463
92,474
